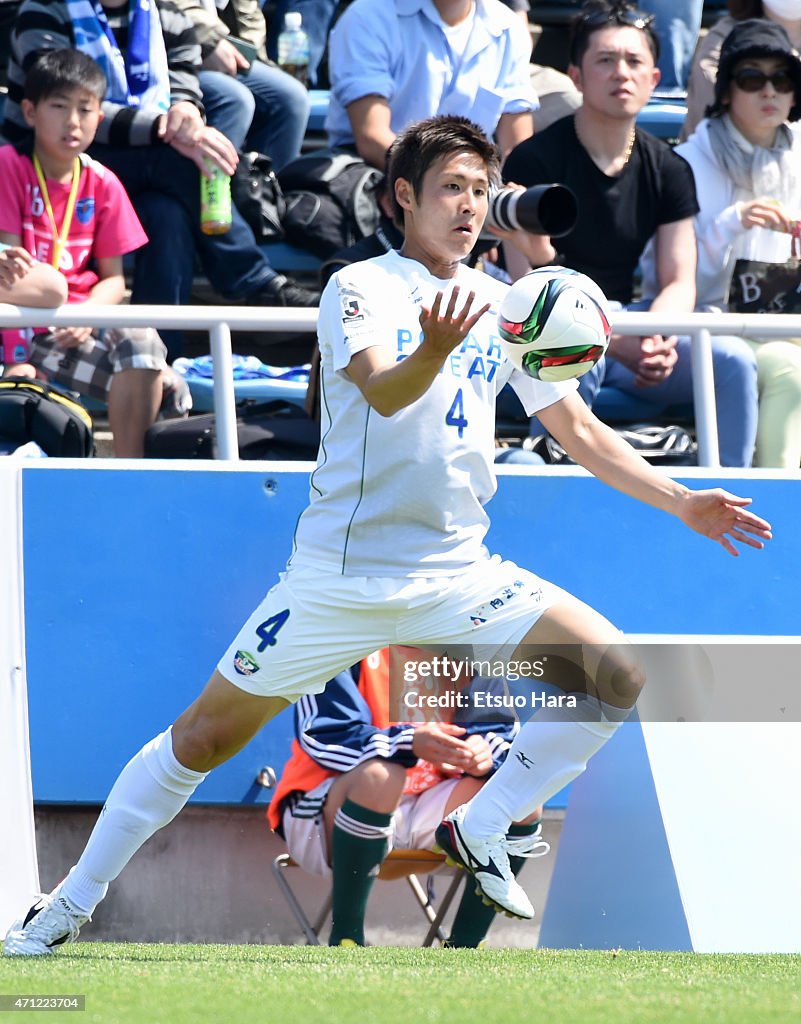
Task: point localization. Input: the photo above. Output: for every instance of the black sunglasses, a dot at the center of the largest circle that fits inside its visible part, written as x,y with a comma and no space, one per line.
618,15
754,80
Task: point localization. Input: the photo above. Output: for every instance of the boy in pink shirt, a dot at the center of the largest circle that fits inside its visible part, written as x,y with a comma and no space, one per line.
72,213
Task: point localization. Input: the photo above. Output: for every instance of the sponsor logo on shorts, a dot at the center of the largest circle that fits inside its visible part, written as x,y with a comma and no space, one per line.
245,663
480,615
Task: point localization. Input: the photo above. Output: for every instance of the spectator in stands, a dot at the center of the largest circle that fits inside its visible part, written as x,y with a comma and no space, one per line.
395,63
153,137
676,24
631,188
357,786
8,15
746,158
386,237
46,184
24,281
701,86
252,102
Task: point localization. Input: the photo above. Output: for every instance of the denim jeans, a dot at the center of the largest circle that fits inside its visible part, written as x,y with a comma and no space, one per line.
736,397
164,188
265,109
735,374
677,24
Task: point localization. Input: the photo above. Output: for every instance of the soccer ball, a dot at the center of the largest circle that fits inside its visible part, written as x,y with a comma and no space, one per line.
554,323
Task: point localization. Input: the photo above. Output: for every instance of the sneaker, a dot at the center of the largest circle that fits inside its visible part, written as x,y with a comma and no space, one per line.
50,922
280,291
488,862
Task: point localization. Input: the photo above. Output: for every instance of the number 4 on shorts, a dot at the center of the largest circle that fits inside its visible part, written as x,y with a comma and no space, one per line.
268,630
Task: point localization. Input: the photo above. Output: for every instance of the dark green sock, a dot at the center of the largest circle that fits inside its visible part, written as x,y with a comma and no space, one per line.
359,845
473,917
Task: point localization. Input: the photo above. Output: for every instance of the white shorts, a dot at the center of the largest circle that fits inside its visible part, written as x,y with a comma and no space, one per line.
312,625
413,827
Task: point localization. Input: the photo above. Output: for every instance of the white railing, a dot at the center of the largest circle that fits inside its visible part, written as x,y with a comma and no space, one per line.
219,320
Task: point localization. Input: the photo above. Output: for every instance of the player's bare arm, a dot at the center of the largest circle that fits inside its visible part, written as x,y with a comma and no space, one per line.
714,513
390,386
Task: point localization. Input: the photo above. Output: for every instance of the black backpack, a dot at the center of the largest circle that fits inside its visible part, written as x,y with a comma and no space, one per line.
330,200
31,410
276,430
257,195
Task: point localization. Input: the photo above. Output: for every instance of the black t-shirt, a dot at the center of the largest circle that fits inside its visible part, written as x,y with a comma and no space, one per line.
616,216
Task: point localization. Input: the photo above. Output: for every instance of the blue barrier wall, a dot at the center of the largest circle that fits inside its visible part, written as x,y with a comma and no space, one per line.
136,579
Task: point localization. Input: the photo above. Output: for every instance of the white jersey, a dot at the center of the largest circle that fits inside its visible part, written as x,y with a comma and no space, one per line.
404,495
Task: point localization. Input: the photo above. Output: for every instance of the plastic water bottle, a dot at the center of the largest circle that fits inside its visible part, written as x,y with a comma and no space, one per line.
215,202
293,47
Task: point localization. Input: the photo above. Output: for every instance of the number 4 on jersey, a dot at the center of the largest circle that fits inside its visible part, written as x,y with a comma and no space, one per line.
269,629
454,417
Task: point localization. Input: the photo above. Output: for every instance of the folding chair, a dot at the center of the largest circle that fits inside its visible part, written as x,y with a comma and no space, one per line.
398,864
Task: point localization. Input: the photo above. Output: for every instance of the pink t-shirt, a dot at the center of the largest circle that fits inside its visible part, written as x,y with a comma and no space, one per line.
103,224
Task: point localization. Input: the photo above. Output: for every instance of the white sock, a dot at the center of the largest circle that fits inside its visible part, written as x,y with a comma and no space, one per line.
151,789
549,751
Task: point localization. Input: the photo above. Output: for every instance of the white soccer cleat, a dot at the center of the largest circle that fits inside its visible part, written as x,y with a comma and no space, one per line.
50,922
487,861
532,845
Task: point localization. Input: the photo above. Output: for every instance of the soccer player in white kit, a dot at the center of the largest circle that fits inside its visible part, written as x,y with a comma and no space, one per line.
391,547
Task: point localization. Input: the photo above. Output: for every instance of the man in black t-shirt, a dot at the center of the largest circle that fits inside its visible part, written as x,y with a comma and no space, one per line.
632,191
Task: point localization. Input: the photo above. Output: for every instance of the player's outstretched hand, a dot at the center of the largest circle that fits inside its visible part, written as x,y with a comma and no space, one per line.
444,331
723,517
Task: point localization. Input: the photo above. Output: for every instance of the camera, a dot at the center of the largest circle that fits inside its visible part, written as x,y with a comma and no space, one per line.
542,210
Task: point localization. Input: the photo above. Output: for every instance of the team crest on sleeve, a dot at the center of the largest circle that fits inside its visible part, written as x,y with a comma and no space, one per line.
352,305
352,311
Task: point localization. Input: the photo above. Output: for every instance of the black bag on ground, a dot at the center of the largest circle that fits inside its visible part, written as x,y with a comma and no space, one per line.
257,195
270,430
661,446
31,410
330,200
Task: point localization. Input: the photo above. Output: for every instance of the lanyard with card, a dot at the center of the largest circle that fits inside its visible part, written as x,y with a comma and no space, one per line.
59,237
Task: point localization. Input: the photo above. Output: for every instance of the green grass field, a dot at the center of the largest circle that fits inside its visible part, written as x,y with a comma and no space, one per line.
181,984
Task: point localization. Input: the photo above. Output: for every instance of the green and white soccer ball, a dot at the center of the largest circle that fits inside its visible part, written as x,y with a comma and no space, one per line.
554,323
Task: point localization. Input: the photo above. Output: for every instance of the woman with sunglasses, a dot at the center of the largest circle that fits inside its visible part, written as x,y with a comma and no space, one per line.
704,69
746,159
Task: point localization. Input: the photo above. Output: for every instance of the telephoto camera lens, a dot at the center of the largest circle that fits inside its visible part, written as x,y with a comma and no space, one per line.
542,210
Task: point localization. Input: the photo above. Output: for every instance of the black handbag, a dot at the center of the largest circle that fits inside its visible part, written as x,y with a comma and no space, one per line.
276,430
759,287
256,193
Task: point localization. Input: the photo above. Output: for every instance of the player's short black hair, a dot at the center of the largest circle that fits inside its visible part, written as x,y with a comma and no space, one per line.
61,70
417,148
598,14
